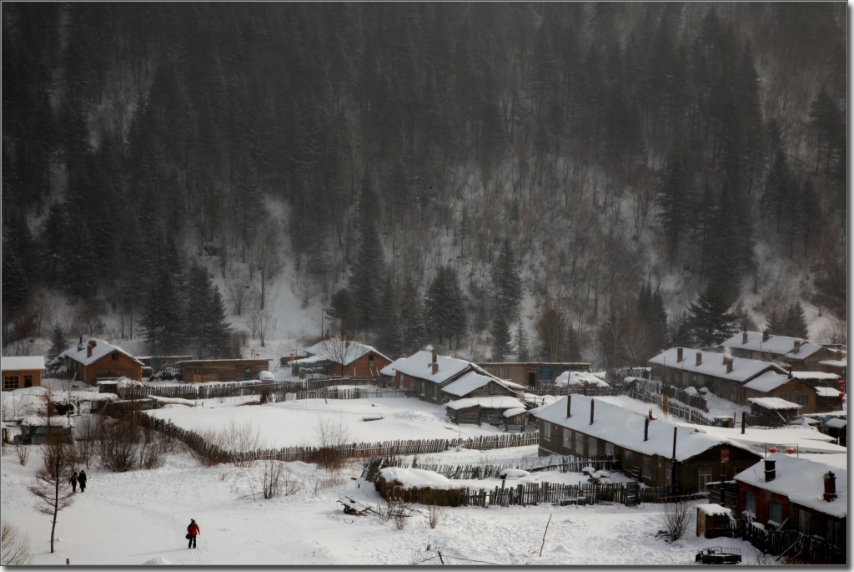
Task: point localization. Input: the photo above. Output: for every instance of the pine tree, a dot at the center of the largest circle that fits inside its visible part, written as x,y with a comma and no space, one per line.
683,335
506,283
368,270
58,342
341,308
711,322
500,338
413,327
389,338
445,306
522,351
795,324
658,322
675,199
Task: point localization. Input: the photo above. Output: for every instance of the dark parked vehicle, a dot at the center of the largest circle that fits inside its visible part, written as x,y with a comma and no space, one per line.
718,555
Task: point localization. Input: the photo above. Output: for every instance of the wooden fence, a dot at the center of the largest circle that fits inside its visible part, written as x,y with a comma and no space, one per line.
680,411
573,390
532,494
280,389
788,546
569,464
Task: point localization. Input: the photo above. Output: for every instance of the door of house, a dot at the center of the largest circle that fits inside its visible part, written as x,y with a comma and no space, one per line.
532,379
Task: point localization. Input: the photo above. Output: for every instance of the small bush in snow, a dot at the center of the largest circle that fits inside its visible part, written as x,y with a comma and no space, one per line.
677,517
435,514
23,452
16,546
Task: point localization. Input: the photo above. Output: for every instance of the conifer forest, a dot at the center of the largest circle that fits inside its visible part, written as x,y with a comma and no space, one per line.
557,181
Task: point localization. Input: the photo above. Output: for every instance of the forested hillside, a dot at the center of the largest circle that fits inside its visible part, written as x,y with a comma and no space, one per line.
560,180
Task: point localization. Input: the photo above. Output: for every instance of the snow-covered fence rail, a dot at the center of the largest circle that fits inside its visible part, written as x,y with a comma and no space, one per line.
313,389
568,464
215,454
529,494
681,411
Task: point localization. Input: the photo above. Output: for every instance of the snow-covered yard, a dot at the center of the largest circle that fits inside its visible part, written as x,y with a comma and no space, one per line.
139,517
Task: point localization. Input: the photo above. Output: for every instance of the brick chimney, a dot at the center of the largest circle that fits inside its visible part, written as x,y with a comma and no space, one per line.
435,364
829,486
765,336
839,355
770,470
92,344
678,354
797,346
569,406
744,337
592,402
699,358
729,365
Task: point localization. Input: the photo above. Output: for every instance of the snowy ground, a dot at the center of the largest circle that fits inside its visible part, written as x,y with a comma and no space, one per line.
140,517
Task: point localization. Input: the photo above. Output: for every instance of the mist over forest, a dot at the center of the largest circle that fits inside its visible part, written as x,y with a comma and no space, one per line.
561,181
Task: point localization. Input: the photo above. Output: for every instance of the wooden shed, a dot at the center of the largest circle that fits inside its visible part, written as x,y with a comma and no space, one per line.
22,371
712,520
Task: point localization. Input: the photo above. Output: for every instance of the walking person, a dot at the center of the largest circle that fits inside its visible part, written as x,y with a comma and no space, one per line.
73,481
81,478
193,531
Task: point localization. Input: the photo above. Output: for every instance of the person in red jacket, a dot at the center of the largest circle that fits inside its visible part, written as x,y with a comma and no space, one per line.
192,531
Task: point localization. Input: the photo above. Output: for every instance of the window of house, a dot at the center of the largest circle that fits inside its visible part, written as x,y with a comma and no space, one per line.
592,446
647,467
704,476
28,381
775,514
804,522
833,532
10,382
784,397
506,373
802,399
547,431
750,504
567,439
579,444
668,477
609,449
115,356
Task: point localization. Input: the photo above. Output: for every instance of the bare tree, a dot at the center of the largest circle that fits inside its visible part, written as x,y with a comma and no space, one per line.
277,480
15,546
23,451
332,435
52,490
677,517
338,351
265,257
237,289
243,440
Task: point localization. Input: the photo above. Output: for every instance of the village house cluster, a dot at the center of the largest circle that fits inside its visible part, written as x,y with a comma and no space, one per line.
767,470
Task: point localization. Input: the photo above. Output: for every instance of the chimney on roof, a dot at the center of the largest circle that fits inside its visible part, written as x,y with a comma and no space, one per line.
435,363
829,486
765,336
744,337
591,411
80,344
797,346
839,355
678,354
569,406
699,358
729,365
92,344
646,427
790,371
770,470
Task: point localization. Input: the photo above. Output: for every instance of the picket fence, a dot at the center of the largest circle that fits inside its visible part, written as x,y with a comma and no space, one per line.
281,390
573,390
215,454
674,409
789,546
568,464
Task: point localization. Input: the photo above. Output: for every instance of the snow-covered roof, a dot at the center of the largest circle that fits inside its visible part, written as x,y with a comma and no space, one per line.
802,480
768,381
778,345
99,350
827,392
23,363
580,378
514,412
490,402
625,428
391,368
714,509
338,351
835,362
419,365
55,421
773,403
712,364
467,383
417,478
815,375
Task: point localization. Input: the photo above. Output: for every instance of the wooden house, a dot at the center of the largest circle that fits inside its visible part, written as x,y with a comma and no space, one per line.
798,353
838,364
813,392
205,370
773,411
713,520
97,359
658,452
343,358
725,376
797,493
478,410
22,371
532,374
439,379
